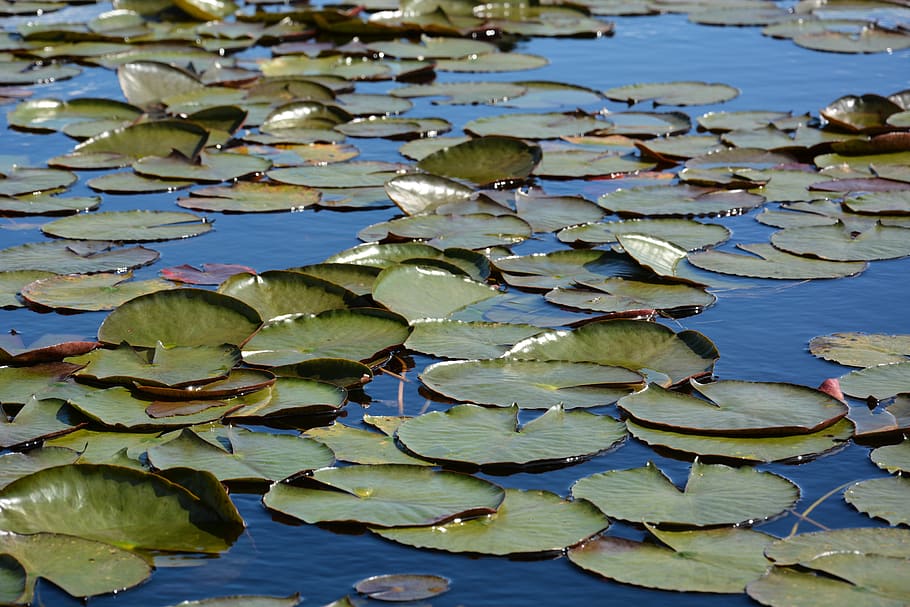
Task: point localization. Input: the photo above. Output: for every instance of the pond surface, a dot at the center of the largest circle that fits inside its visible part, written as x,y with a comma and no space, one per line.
761,327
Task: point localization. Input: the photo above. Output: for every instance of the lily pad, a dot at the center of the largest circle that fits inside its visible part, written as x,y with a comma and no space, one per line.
458,230
527,522
46,501
879,382
43,204
279,292
686,233
128,226
357,334
806,547
673,93
633,344
402,587
564,268
492,437
765,261
208,167
713,560
530,384
128,182
677,201
835,243
713,495
461,339
462,93
292,397
48,115
145,83
861,349
20,181
416,193
250,197
893,458
422,292
359,446
17,465
19,384
534,126
492,62
736,408
618,295
12,282
789,448
246,457
386,495
180,317
547,213
484,160
39,419
338,175
102,291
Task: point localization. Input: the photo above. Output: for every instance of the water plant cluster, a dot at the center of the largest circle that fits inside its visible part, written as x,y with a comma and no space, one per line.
120,449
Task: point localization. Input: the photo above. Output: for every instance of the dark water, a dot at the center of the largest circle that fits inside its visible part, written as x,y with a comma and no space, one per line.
761,329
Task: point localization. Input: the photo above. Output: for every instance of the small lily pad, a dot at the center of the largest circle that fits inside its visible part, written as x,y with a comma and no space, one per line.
674,93
278,292
423,292
484,160
102,291
250,197
402,587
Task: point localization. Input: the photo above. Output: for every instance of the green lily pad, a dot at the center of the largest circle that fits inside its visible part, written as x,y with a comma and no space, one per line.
861,349
686,233
355,278
882,203
391,127
893,458
180,317
465,231
563,268
835,243
461,339
713,495
16,465
37,420
303,115
385,255
174,366
765,261
103,447
20,181
145,83
48,115
402,587
292,397
484,160
575,164
492,62
546,94
647,124
120,147
209,166
129,226
81,567
462,93
790,448
19,384
633,344
888,422
12,282
534,126
806,547
356,334
678,201
279,292
530,384
713,560
868,40
43,204
362,173
416,193
722,122
27,72
673,93
128,182
736,408
233,382
423,292
246,457
359,446
679,147
385,495
492,437
527,522
617,295
870,579
879,382
155,514
102,291
551,213
250,197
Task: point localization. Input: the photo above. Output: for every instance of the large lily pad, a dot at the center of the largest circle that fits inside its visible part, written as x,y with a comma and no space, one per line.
102,291
713,560
713,495
884,498
19,384
526,522
612,295
245,456
360,446
386,495
81,567
534,126
836,243
484,160
686,233
456,230
766,261
357,334
55,114
677,201
152,514
279,292
736,408
893,458
423,292
674,93
39,419
461,339
879,382
636,345
530,384
338,175
208,167
861,349
293,397
128,226
180,317
20,181
250,197
469,434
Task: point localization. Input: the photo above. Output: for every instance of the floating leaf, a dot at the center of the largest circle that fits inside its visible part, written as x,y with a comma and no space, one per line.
338,175
673,93
130,226
293,396
462,93
713,495
423,292
155,514
484,160
612,295
765,261
132,183
102,291
247,456
12,282
469,434
465,231
879,382
805,547
245,601
19,384
148,82
120,147
402,587
534,126
20,181
633,344
36,420
527,522
357,334
209,166
42,204
384,495
48,115
416,193
686,233
714,560
250,197
836,243
16,465
279,292
564,268
861,349
180,317
679,201
460,339
736,408
492,62
893,458
362,446
210,274
530,384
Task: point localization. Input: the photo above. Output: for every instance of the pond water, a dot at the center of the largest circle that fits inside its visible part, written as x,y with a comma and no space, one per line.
761,328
